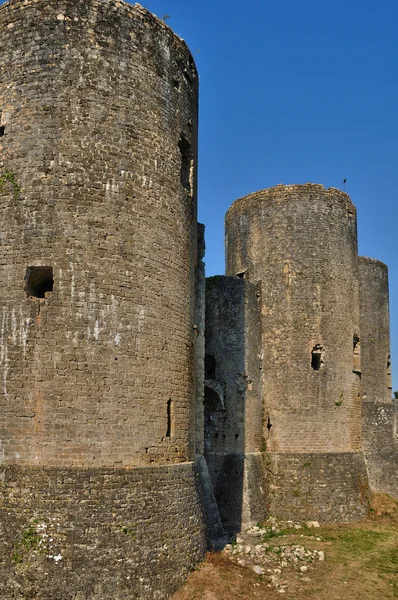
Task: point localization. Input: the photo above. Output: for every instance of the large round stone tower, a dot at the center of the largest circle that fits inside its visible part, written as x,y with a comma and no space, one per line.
300,242
98,141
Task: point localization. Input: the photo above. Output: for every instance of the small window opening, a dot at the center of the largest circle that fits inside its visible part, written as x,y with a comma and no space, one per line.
170,419
186,164
389,380
269,424
187,77
39,281
2,130
317,357
241,274
210,366
357,354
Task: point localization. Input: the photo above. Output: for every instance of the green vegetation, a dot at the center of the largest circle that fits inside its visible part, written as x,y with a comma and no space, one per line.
129,529
30,542
211,282
340,401
355,542
16,558
8,177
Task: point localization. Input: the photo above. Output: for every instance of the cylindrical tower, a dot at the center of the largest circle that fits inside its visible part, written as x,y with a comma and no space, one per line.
98,143
300,241
375,330
98,108
379,420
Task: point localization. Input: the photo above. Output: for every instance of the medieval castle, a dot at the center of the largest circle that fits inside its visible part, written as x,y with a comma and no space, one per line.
142,416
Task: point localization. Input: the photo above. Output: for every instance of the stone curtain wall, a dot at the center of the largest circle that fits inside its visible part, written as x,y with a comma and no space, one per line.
379,424
92,534
233,406
98,101
200,325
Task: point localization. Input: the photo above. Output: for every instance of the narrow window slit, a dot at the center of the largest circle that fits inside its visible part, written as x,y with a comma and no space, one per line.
389,379
187,77
357,354
170,419
2,130
186,164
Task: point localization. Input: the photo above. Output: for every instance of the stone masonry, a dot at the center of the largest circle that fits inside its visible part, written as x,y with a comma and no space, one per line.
146,413
98,154
379,430
318,309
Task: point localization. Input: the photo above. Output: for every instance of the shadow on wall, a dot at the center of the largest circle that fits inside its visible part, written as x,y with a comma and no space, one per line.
231,378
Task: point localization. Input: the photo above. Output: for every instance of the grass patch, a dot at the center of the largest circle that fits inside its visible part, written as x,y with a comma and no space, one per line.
360,563
354,542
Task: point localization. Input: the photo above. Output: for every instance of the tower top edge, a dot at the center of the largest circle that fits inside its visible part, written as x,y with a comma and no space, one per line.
282,192
373,261
130,11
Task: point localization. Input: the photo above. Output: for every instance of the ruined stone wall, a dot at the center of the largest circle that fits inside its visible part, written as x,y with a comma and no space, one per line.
379,424
98,102
300,242
233,403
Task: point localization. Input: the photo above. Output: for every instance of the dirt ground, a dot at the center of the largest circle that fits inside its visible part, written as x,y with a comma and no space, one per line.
352,562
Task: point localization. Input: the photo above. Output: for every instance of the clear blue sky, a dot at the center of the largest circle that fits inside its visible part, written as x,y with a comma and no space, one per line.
294,91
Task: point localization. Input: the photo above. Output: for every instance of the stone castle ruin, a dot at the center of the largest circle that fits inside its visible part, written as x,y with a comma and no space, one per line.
142,418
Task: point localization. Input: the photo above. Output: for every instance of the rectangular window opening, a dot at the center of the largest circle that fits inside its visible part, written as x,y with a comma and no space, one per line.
317,357
39,281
